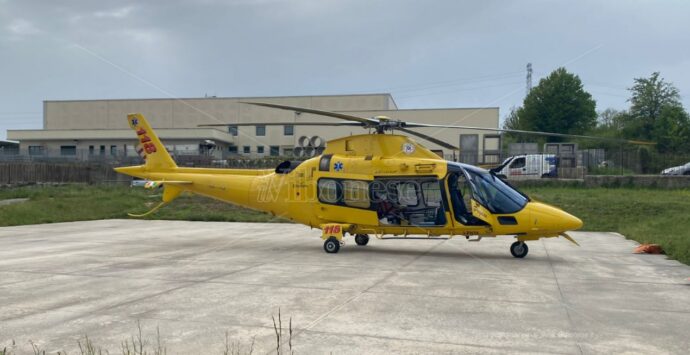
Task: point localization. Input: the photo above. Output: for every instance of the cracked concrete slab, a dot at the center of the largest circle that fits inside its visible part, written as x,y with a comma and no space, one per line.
195,281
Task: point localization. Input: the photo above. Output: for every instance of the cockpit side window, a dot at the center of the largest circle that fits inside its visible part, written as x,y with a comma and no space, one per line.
460,193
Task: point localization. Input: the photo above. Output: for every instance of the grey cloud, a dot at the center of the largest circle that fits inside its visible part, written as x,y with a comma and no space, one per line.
429,54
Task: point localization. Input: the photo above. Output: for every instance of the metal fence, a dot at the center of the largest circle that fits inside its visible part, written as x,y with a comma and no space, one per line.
19,173
215,158
572,162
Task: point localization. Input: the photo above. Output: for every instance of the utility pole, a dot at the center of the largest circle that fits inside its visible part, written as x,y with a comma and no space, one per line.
528,84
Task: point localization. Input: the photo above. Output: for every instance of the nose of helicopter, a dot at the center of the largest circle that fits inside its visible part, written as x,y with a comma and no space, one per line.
571,222
545,217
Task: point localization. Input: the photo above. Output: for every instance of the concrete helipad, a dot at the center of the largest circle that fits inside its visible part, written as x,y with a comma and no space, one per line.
196,280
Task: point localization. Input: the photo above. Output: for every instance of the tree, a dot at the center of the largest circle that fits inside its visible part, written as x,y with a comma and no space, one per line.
558,104
671,130
610,122
650,97
609,119
512,120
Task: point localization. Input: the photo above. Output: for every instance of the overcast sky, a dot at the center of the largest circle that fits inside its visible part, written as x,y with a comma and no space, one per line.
428,54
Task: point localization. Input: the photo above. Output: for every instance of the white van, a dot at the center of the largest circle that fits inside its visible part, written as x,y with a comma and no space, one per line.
528,166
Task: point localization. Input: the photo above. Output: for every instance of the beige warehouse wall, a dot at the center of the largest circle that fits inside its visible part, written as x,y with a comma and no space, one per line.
103,118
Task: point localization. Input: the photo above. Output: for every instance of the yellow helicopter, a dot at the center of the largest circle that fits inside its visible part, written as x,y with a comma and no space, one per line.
379,184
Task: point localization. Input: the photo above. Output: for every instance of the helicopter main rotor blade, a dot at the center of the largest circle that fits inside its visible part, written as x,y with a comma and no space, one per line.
365,122
538,133
282,124
428,138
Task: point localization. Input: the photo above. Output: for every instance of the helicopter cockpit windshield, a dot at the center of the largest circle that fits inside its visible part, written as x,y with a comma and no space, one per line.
494,194
490,191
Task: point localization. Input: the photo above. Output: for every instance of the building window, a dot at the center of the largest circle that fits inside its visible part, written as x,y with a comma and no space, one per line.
68,150
232,130
36,150
113,150
91,150
261,130
102,150
246,149
275,151
260,149
288,130
232,149
288,152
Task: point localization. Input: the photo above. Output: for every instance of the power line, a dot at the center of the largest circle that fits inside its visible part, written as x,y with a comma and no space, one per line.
457,90
442,83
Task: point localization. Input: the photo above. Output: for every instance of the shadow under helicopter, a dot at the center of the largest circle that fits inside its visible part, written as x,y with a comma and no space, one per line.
429,253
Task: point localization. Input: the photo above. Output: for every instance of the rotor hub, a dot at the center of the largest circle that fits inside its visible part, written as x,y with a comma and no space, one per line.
385,123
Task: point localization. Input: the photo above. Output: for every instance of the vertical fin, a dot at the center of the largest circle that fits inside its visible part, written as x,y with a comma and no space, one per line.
150,147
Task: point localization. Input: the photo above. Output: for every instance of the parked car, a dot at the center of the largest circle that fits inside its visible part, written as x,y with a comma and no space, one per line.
528,166
677,170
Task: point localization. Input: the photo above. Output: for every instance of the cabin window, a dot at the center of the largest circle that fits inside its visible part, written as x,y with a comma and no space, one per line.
356,193
347,193
325,162
328,191
408,201
407,194
431,190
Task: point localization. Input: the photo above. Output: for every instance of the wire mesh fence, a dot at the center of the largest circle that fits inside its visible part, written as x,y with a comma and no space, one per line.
516,161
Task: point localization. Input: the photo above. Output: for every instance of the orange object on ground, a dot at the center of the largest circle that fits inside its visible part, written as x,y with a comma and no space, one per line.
648,249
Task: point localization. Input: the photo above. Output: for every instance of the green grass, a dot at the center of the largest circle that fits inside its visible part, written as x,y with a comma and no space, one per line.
645,215
51,204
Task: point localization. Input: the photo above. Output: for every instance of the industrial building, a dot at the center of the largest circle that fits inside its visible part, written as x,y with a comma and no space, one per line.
9,147
86,129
